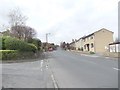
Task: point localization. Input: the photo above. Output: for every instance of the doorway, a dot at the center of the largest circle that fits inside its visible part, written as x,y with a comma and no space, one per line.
88,48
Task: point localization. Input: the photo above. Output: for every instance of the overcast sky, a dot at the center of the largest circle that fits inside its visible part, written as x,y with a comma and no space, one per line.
65,19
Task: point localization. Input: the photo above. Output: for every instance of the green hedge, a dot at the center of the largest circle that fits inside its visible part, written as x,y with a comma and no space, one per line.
92,52
0,54
16,55
36,42
32,47
8,54
10,43
0,43
13,48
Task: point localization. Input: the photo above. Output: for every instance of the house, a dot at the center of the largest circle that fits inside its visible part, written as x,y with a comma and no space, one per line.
1,34
114,47
72,45
95,42
5,33
79,44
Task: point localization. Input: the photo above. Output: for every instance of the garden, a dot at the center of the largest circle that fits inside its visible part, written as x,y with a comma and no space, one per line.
14,49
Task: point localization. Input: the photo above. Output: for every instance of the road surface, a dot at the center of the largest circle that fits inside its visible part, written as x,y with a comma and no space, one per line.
63,69
73,70
0,75
26,75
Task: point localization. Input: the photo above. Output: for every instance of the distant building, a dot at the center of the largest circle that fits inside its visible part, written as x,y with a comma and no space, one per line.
95,42
1,34
73,45
5,33
114,47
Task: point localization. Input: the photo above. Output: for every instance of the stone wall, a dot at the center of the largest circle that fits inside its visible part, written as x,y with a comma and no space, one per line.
112,54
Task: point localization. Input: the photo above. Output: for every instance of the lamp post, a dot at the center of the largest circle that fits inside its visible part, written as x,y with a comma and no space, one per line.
47,40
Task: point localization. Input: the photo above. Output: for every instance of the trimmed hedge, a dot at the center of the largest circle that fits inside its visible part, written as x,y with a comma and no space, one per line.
0,43
15,44
36,42
0,54
13,49
32,47
16,55
8,54
92,52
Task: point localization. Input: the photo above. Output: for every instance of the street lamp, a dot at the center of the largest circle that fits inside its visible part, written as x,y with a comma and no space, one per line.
47,40
47,37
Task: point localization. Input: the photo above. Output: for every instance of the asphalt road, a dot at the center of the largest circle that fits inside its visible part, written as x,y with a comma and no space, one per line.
62,69
0,75
72,70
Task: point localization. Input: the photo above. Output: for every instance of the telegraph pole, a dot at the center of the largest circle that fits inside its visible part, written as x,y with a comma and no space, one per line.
47,40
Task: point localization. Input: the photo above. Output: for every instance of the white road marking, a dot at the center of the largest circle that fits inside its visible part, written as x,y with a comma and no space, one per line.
41,64
41,69
54,82
107,57
116,69
46,66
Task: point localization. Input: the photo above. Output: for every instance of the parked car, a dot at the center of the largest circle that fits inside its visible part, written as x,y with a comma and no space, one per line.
50,49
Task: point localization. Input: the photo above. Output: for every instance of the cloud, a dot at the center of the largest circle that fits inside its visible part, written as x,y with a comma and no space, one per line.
65,19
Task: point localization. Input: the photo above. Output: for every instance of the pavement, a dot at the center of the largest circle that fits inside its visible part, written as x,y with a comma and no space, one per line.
105,54
0,75
26,75
62,69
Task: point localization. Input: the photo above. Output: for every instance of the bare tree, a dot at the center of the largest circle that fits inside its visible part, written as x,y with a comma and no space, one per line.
23,32
16,17
16,20
3,27
18,28
28,33
17,31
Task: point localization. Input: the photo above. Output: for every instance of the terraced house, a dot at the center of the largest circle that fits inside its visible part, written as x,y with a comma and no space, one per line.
1,34
95,42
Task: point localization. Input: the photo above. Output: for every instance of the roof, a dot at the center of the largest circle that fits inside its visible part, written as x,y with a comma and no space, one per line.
0,33
114,43
87,36
72,43
93,33
103,29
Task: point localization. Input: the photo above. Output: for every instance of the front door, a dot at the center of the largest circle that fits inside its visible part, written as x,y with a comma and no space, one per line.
88,48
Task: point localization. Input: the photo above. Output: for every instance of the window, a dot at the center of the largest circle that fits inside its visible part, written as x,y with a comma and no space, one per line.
84,46
92,45
91,37
84,40
87,39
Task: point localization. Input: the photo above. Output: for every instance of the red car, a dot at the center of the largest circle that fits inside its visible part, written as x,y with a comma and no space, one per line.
50,49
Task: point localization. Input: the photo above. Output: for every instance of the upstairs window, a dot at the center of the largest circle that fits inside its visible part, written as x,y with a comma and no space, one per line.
91,37
84,40
84,46
92,45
